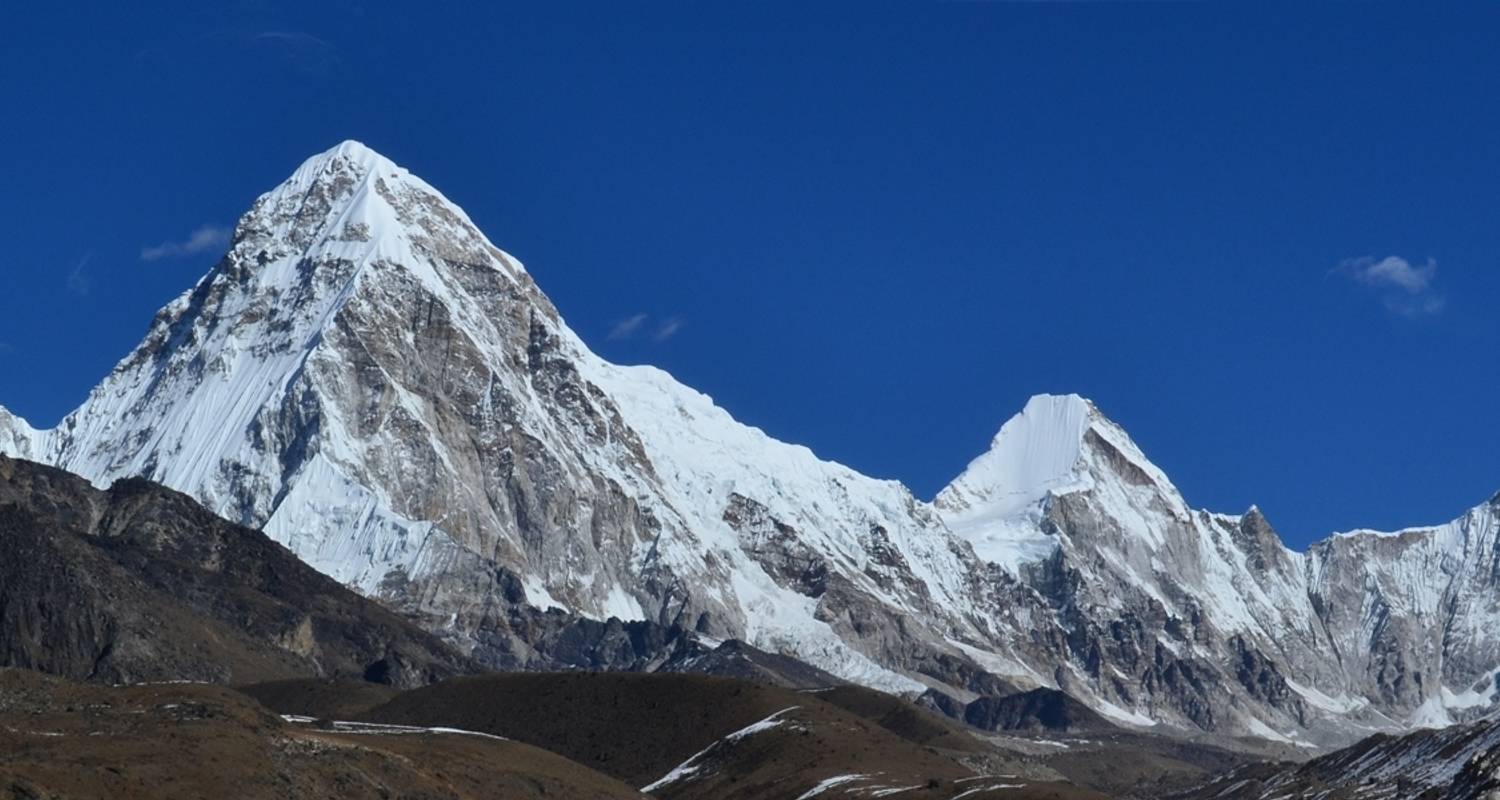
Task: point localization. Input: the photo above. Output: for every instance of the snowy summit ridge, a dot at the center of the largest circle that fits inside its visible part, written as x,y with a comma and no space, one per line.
1035,452
365,376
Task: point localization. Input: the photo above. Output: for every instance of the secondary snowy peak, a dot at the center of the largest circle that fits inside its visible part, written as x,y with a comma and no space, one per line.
1059,445
1053,446
996,503
1036,452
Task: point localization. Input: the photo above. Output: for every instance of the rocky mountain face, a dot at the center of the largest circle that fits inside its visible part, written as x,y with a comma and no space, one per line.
139,583
1035,710
1413,614
369,380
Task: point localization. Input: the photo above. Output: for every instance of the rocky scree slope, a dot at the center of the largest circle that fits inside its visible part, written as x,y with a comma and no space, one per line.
1460,762
377,386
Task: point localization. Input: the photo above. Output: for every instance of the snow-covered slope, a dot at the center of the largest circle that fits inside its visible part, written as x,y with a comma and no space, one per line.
996,503
369,379
16,436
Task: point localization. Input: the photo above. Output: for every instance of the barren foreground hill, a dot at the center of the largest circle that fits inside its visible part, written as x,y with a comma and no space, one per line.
177,741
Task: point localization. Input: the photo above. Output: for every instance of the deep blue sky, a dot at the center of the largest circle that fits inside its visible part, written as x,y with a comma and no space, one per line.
881,226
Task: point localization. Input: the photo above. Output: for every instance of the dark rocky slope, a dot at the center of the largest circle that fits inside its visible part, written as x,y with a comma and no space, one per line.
1036,710
139,583
1461,762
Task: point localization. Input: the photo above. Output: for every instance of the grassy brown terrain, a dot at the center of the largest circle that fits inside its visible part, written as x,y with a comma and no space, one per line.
1115,762
642,727
1136,765
321,698
904,718
573,735
166,741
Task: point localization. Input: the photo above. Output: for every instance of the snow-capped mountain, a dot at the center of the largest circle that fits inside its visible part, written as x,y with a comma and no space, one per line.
371,381
1415,614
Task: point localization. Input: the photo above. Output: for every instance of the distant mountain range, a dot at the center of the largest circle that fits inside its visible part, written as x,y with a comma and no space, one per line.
377,387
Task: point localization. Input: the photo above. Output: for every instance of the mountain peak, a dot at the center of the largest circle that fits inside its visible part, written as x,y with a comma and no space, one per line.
355,150
1072,406
353,204
348,160
336,195
1057,445
346,154
1034,452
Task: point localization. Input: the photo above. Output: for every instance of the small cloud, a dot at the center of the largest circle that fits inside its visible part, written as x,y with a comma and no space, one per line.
78,281
668,329
205,239
5,347
1405,289
1391,271
628,327
634,325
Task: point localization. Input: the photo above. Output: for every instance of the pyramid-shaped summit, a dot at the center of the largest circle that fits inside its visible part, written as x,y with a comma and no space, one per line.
369,379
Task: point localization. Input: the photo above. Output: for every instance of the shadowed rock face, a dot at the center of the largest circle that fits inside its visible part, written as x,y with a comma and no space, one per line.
735,659
140,583
1036,710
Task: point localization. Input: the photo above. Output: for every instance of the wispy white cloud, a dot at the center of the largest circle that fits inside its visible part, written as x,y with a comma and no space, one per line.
1391,271
668,329
206,238
1406,289
628,327
78,281
638,324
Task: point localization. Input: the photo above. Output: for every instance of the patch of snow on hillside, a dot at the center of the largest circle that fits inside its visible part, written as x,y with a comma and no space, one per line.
693,766
831,783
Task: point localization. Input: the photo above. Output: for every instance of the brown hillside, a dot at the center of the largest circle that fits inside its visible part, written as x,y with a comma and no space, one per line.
169,741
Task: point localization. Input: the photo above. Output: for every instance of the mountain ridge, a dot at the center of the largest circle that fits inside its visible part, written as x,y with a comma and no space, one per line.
376,385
